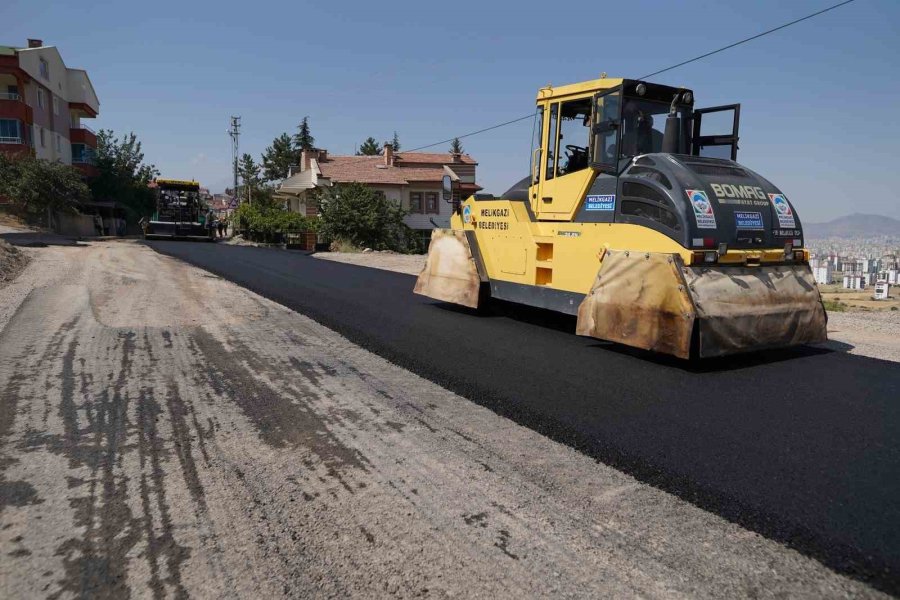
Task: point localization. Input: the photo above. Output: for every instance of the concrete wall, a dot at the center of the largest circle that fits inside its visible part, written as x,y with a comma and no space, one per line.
80,89
65,85
75,225
29,61
53,124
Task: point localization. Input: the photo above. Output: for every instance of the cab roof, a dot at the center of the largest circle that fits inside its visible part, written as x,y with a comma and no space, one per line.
583,87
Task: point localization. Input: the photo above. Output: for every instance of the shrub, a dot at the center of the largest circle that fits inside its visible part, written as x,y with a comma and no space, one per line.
35,185
364,218
834,305
268,221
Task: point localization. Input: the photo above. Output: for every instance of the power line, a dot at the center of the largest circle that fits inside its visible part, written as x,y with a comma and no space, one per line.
465,135
681,64
749,39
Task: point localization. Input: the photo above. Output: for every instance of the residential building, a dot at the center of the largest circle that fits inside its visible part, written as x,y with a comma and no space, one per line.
42,105
853,282
222,205
823,273
882,290
412,179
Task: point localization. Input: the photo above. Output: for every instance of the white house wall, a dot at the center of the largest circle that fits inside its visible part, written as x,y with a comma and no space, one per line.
423,221
81,90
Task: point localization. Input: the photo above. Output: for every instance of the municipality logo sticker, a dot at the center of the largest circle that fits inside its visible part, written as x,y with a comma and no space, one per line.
467,213
605,202
703,210
783,211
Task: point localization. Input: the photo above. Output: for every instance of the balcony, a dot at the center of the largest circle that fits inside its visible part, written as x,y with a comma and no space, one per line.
85,164
83,135
12,106
87,170
14,144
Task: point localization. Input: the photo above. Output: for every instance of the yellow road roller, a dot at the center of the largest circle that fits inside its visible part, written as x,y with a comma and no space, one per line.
637,218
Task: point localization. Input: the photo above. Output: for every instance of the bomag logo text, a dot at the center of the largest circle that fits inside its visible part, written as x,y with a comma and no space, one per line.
746,192
494,212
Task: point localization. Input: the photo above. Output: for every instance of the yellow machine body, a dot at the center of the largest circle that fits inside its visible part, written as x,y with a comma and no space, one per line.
626,281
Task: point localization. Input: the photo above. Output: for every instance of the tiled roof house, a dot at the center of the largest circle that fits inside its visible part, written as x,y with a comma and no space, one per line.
411,178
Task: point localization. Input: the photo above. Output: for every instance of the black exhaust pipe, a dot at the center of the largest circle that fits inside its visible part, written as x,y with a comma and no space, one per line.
671,143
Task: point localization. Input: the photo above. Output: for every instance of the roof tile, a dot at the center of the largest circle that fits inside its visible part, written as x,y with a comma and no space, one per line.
423,167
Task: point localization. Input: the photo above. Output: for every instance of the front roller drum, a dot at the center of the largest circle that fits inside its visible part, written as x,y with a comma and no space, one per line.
653,301
450,272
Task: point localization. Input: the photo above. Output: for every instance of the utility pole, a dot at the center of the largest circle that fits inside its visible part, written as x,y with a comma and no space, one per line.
235,133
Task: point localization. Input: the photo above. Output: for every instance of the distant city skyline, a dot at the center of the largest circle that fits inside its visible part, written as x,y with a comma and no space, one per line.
816,98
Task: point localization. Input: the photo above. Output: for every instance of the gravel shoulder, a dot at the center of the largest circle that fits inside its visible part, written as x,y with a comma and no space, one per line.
12,262
871,333
165,432
412,264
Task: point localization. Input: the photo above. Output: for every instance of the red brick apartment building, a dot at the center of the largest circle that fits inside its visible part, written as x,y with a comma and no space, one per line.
43,104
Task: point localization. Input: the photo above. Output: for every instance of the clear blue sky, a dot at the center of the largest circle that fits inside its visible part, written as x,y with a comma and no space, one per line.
820,100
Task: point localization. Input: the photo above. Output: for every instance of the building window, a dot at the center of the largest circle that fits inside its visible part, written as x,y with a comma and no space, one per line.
431,203
40,98
415,203
45,69
9,131
43,142
58,143
55,105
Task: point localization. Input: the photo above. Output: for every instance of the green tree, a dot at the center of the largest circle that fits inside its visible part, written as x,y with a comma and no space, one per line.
248,171
124,157
369,148
277,158
395,142
357,214
35,185
303,139
123,176
456,146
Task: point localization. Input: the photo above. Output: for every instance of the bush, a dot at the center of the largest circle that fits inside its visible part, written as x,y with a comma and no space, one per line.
834,306
364,218
267,222
35,185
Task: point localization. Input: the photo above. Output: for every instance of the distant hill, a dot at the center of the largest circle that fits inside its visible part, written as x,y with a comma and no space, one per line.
852,226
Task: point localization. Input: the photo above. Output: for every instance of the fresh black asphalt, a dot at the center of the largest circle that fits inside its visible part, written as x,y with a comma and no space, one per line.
802,446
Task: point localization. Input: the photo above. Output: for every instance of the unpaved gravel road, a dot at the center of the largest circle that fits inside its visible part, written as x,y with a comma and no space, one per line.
166,433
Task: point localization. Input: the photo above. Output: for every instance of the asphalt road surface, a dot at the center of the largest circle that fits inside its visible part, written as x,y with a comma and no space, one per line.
167,433
802,446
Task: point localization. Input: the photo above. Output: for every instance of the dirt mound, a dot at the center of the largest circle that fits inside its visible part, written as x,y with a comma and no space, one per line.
12,261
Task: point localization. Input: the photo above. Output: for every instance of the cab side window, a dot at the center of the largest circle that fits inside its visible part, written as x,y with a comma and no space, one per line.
605,152
574,136
552,138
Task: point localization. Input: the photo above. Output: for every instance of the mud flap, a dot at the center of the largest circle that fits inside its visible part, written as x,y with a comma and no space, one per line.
639,299
750,308
450,272
652,301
